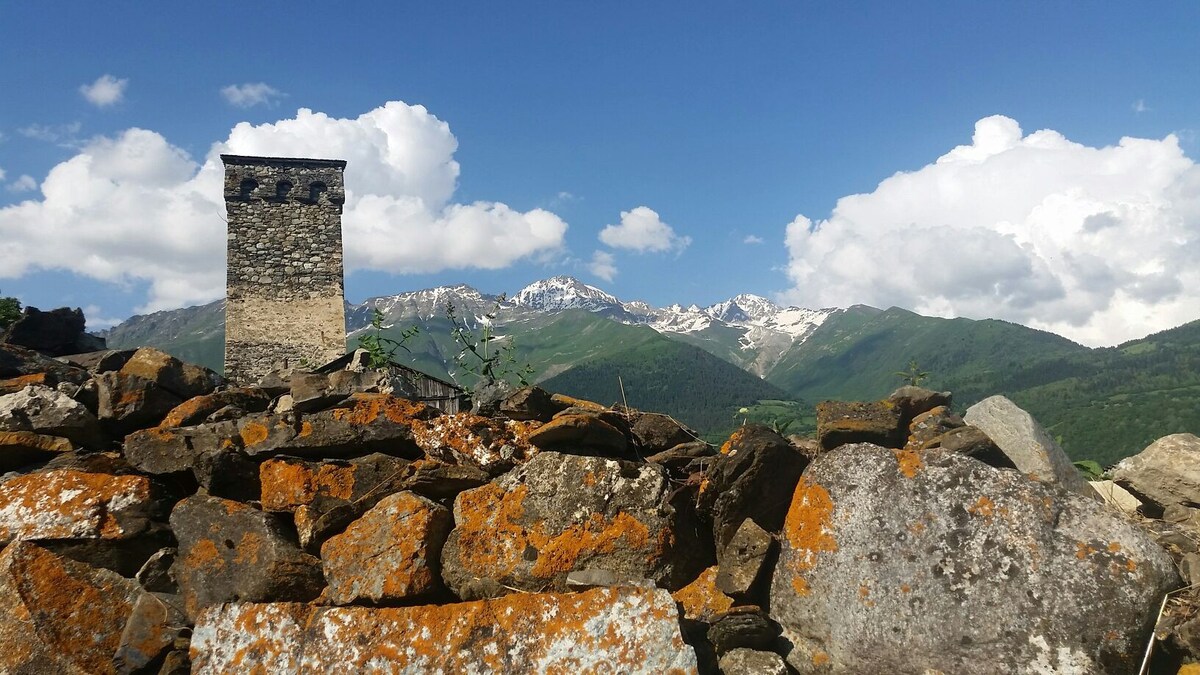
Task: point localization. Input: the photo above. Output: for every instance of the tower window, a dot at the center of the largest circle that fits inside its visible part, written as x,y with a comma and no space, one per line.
282,188
314,191
247,188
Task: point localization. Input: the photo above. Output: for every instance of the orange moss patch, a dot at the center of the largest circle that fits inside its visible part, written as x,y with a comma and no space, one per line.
186,410
253,433
910,462
983,507
1083,550
820,658
701,600
807,530
288,484
368,407
734,439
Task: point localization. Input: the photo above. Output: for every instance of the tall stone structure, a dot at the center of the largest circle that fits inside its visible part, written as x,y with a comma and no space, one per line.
284,293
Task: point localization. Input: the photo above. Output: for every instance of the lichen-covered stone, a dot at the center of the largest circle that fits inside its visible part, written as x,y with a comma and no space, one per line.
20,448
196,409
43,410
531,404
1030,448
656,432
127,402
742,661
68,504
560,513
231,552
619,630
913,401
391,554
463,438
580,433
742,564
743,626
701,600
972,442
930,425
368,423
842,422
59,616
289,483
896,561
1166,472
156,621
184,380
163,450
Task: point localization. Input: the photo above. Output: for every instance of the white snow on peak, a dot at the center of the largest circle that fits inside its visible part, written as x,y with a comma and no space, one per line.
563,292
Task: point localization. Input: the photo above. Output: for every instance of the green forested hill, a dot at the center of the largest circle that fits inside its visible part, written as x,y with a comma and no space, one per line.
686,382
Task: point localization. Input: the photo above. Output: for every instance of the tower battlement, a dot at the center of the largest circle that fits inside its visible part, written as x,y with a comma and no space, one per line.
285,297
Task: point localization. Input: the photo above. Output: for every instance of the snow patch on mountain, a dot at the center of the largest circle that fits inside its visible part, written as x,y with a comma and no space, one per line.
561,293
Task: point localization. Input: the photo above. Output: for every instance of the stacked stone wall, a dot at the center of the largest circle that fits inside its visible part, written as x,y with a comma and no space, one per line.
284,288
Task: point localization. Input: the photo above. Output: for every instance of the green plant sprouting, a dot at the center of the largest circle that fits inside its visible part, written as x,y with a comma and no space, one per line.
10,311
381,350
490,363
914,376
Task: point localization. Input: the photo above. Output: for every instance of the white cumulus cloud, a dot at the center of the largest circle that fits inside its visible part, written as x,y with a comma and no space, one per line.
251,94
135,209
1097,244
642,230
23,183
603,265
105,91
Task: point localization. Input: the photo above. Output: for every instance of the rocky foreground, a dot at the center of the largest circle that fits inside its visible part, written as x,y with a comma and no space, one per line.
157,520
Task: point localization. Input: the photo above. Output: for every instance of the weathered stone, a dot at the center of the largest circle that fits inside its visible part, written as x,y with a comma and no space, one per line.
18,361
487,397
680,455
743,561
841,422
972,442
930,425
580,434
21,448
602,578
155,573
530,403
1116,496
701,600
184,380
896,561
746,626
1166,472
230,552
197,409
289,482
160,450
155,622
227,472
463,438
129,402
560,513
322,518
391,554
12,385
742,661
1189,568
68,504
312,391
90,462
753,478
102,361
1026,443
59,616
572,402
622,630
913,401
439,481
47,411
54,333
655,432
123,556
369,423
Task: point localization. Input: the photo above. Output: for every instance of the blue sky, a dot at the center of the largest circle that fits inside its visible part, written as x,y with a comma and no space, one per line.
740,128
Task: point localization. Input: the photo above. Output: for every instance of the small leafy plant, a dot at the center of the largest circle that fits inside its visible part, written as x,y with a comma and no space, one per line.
491,363
914,376
10,311
1090,469
381,349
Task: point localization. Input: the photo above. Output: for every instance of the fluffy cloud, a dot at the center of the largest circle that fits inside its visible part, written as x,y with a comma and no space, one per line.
23,183
642,230
251,94
105,91
1098,244
135,209
603,265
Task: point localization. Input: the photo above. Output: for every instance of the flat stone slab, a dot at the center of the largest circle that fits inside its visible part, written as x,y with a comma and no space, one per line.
69,504
613,630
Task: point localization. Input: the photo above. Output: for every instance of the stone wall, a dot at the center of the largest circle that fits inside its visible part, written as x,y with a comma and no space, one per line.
284,290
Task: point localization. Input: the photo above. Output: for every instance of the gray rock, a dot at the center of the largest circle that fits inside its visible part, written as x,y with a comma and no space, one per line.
126,403
897,562
742,661
55,332
841,422
913,401
155,573
156,621
743,561
656,432
44,410
161,450
230,552
530,403
972,442
101,361
746,626
1166,472
558,514
184,380
1026,443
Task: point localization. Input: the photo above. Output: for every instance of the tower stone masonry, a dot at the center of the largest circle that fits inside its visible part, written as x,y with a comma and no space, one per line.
284,293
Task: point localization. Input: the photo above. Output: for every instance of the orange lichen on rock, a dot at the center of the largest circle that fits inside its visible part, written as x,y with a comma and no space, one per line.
185,411
288,484
69,504
984,507
701,600
366,408
806,530
253,433
734,439
1083,550
561,553
464,437
910,462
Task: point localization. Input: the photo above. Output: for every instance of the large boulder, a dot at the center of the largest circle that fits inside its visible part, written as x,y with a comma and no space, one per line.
18,361
165,450
557,514
879,422
21,448
47,411
197,409
1166,472
231,552
1030,448
367,423
898,562
619,630
60,616
126,403
54,333
392,554
69,504
184,380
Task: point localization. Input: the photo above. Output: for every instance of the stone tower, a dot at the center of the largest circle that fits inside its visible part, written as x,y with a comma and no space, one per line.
284,294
